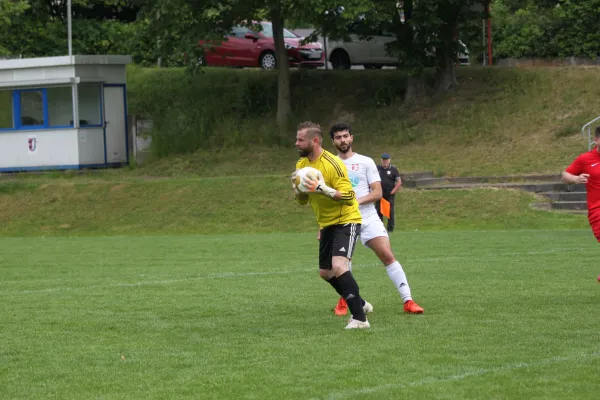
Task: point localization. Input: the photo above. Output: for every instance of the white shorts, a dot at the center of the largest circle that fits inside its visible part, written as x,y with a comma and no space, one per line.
371,228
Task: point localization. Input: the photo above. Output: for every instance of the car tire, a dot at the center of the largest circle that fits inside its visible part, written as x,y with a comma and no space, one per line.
340,60
267,60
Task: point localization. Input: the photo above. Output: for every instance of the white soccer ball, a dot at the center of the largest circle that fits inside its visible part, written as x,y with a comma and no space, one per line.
309,172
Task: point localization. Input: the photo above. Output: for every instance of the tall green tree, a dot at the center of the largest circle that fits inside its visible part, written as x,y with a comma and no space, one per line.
12,8
39,28
427,33
179,24
546,28
279,12
426,30
9,11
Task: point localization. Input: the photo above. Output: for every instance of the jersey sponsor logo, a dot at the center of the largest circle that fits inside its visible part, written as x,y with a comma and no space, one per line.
354,180
355,167
593,165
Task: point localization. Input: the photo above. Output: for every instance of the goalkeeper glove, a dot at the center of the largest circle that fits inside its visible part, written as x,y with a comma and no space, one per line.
317,185
297,191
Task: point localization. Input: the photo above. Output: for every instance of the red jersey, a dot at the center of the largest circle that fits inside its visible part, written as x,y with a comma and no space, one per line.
589,163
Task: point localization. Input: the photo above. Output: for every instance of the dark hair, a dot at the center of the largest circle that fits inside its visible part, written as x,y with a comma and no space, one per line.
597,131
312,129
339,127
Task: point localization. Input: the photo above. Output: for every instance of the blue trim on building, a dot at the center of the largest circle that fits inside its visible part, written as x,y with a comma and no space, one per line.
46,113
17,113
19,128
20,125
17,109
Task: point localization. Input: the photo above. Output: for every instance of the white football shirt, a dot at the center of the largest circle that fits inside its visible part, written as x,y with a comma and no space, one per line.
362,171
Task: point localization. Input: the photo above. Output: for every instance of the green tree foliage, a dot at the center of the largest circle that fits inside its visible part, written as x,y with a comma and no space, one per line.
178,25
450,16
38,27
427,31
546,28
9,11
170,30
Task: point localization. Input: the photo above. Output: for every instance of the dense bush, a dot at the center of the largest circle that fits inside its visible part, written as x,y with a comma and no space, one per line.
227,107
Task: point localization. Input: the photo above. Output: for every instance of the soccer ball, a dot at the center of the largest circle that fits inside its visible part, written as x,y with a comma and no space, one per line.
310,172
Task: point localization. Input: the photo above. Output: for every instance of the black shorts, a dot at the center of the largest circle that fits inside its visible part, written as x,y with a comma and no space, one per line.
337,240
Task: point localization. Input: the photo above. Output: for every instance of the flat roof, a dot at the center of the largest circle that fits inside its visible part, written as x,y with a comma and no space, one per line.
41,62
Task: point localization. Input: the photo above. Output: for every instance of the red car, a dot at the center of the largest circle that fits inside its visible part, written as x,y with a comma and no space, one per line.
246,48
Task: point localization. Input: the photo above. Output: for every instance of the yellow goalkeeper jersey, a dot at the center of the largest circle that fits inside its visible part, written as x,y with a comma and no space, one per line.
329,211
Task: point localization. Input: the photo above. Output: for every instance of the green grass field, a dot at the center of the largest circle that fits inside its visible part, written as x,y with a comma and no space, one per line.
239,205
194,276
508,314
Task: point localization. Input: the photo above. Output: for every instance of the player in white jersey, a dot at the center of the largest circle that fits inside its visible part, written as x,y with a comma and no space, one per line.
367,186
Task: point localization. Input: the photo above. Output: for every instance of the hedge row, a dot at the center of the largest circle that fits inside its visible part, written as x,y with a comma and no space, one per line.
228,107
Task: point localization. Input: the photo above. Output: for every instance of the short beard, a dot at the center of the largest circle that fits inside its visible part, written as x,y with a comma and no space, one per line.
304,153
344,151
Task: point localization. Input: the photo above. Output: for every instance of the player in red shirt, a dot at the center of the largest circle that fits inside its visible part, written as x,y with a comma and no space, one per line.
586,169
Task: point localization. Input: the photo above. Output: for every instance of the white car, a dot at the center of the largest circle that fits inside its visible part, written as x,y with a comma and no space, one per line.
369,52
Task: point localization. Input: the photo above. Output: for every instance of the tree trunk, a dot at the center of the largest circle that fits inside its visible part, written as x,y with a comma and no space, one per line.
445,76
284,108
408,55
414,88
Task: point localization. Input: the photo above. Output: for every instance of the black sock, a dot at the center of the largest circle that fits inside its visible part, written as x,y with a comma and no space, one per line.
352,295
336,285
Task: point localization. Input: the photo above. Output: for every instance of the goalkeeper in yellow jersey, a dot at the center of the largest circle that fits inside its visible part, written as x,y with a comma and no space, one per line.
334,204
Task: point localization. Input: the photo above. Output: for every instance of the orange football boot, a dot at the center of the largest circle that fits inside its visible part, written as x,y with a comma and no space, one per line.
411,307
341,308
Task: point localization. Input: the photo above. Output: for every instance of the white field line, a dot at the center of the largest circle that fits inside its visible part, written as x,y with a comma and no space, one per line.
302,269
433,380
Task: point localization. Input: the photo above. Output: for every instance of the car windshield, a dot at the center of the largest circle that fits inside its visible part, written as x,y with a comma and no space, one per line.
267,30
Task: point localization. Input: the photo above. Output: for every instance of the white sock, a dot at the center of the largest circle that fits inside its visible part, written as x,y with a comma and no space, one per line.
350,265
397,275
